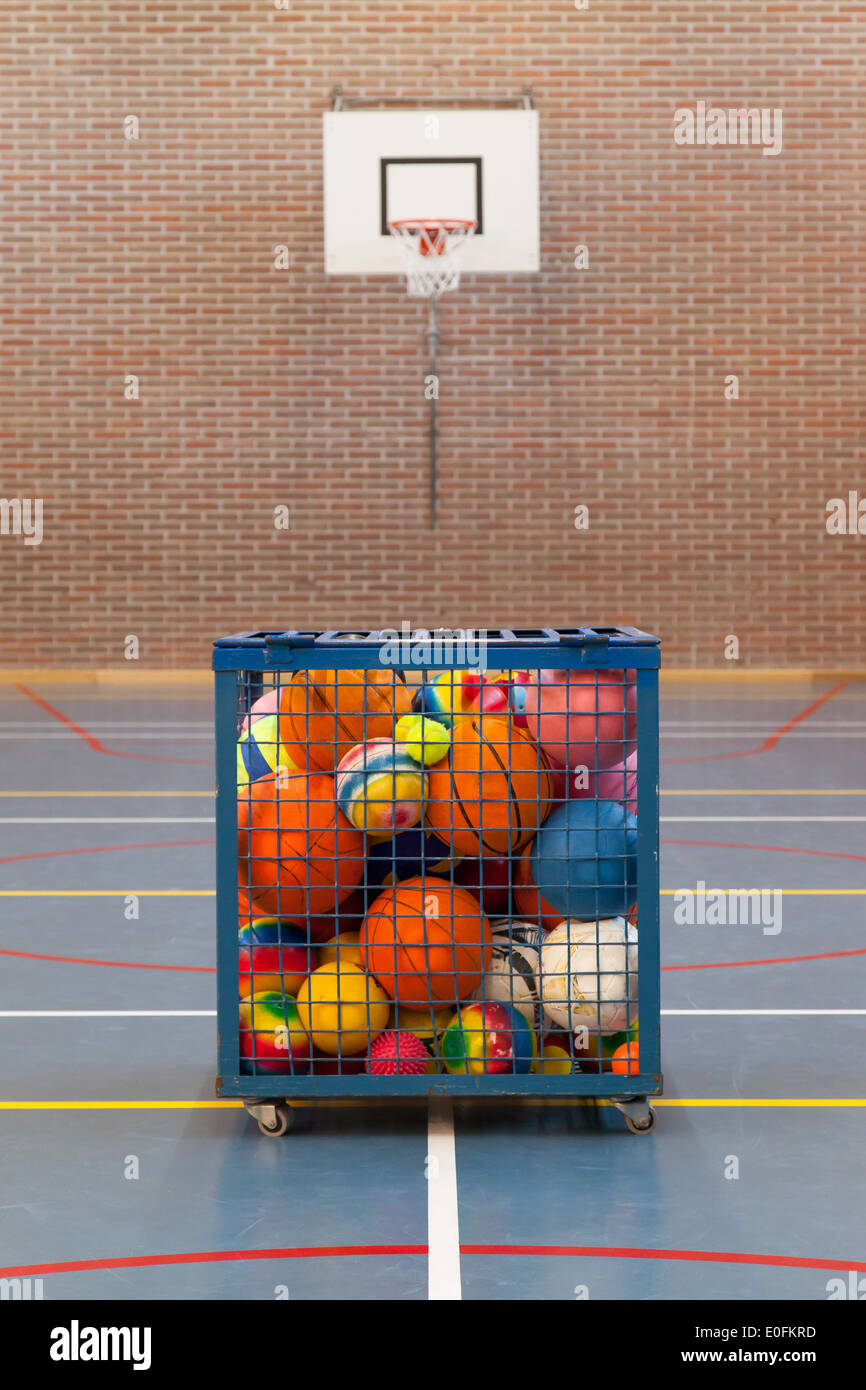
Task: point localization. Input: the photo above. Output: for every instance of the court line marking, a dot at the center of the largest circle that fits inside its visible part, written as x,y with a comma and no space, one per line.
136,820
99,849
443,1231
152,965
212,1013
665,791
770,742
95,744
211,969
211,820
704,820
386,1102
211,892
316,1252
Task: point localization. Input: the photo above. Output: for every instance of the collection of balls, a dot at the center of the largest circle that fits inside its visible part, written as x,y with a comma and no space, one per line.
440,876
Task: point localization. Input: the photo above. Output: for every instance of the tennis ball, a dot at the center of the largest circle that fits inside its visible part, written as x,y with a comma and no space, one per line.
427,741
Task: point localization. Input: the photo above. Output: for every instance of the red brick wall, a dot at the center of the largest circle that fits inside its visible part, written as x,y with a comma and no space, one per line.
259,387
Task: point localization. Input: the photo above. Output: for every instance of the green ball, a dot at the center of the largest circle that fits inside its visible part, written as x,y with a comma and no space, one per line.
426,740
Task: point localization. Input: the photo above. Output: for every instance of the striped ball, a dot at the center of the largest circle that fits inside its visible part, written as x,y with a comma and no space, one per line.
380,789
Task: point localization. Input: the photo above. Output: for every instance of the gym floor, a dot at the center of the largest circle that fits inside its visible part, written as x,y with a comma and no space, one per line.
123,1178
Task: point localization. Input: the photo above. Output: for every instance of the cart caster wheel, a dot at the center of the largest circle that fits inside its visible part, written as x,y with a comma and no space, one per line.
641,1126
282,1122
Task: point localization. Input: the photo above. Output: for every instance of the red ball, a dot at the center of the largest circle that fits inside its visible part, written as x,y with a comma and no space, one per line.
394,1054
488,880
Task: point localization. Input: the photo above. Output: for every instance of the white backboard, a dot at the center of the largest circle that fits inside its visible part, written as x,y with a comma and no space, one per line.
386,165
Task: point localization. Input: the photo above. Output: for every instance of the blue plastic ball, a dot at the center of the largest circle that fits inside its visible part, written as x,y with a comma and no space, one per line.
583,859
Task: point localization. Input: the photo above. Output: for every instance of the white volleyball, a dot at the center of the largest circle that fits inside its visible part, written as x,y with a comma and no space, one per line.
512,975
588,975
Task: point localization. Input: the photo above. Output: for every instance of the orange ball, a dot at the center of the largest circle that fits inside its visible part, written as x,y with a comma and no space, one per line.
625,1060
426,941
298,854
324,714
493,792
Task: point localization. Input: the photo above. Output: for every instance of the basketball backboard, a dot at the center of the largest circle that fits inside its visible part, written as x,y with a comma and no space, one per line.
382,166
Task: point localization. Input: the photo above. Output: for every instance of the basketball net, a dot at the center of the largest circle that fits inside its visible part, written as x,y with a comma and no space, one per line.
431,250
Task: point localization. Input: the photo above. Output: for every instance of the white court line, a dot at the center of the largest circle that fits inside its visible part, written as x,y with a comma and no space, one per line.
174,736
769,819
211,1013
740,1013
107,1013
107,820
443,1231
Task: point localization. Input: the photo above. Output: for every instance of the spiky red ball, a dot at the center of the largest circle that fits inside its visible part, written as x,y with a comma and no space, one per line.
394,1054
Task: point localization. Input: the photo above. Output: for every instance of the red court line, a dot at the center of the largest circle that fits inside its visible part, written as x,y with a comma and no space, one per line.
316,1252
96,744
770,742
773,849
124,964
771,960
100,849
628,1253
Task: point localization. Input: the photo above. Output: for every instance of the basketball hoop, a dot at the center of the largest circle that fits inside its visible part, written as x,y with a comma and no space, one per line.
431,249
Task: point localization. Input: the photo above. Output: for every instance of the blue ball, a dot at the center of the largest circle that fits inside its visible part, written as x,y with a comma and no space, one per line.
583,859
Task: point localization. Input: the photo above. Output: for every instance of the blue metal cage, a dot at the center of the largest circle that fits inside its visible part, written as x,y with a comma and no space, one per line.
249,664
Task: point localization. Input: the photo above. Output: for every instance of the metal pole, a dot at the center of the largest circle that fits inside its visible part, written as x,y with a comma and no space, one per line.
433,343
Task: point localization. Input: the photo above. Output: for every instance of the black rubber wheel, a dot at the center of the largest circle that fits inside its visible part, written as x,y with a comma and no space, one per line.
642,1126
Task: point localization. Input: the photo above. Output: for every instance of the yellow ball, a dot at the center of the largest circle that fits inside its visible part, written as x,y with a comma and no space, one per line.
343,948
555,1061
426,740
342,1009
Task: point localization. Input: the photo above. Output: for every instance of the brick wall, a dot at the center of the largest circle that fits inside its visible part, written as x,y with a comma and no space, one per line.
258,388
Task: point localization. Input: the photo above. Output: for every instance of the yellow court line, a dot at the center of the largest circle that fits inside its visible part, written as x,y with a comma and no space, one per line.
110,892
700,1102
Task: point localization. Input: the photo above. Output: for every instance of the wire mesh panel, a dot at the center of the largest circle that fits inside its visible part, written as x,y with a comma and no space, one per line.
435,877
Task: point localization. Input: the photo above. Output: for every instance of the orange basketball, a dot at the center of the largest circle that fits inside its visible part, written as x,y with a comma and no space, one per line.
298,854
493,792
426,941
326,713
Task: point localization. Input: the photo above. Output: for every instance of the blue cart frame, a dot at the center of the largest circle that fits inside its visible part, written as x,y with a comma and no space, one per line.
284,652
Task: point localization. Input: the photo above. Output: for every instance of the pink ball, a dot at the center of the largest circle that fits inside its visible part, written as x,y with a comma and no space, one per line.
617,783
583,718
268,703
394,1054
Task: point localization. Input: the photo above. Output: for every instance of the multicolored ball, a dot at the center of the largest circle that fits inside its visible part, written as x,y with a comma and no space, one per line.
398,1054
488,1039
380,789
445,697
273,955
260,751
272,1038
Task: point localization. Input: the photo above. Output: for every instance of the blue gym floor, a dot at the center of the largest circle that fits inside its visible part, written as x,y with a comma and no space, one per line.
109,1062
